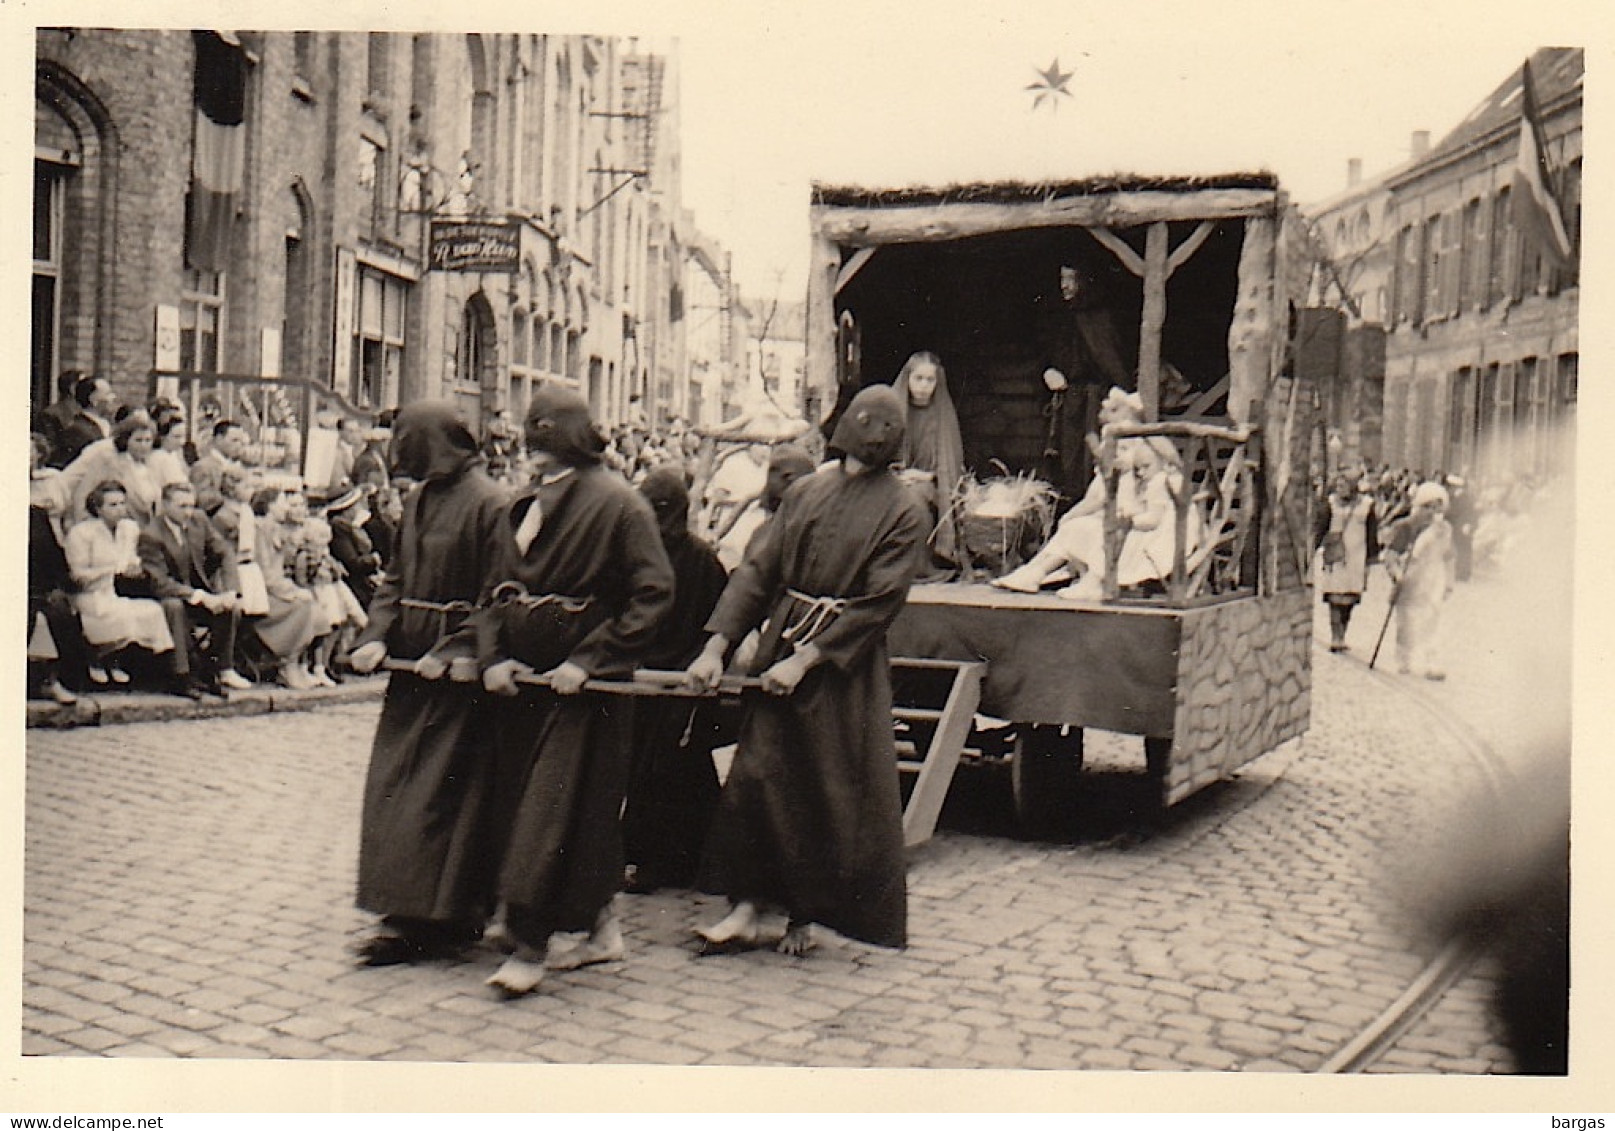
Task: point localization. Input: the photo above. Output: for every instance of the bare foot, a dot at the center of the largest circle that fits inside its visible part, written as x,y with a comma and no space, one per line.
1089,588
519,976
604,944
740,925
1022,580
798,940
496,936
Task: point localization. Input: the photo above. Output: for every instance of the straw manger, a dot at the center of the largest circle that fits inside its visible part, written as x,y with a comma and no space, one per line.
1001,520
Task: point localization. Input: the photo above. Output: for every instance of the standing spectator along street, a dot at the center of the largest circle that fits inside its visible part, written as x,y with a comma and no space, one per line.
1343,555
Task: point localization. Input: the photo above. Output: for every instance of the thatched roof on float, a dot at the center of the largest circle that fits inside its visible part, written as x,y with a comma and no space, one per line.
1026,192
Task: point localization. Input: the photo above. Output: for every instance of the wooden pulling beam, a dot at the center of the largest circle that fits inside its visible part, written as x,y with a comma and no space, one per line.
646,682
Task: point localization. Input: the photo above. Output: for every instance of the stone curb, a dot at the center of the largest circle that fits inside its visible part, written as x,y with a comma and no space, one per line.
113,708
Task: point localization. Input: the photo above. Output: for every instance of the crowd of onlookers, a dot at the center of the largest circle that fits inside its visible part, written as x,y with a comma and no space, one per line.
159,557
1486,517
633,449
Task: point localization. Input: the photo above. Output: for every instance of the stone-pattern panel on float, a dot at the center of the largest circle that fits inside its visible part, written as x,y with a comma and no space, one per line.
1244,686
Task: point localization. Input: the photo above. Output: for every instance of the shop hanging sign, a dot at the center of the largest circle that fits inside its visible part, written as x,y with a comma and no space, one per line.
474,245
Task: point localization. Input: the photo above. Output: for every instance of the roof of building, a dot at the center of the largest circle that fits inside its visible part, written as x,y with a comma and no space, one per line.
1556,72
1014,192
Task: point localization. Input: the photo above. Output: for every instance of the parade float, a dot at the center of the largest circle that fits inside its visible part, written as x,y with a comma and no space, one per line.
1039,299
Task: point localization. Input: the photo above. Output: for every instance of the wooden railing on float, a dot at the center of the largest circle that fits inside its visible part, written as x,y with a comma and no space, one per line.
1216,504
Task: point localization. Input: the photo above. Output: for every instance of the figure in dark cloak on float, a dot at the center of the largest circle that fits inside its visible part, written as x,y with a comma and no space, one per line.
429,843
809,827
673,784
580,588
933,451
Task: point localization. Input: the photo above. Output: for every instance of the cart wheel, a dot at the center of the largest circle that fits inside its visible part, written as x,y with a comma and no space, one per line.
1046,773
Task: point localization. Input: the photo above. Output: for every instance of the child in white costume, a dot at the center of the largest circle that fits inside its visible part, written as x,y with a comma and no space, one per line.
1144,506
1419,561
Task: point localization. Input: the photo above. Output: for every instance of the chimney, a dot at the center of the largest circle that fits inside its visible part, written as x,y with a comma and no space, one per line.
1354,171
1421,142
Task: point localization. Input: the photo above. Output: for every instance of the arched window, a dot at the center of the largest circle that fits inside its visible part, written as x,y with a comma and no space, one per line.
468,367
483,144
296,317
76,155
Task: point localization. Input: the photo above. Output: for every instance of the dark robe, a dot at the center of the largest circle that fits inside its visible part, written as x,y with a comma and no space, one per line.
50,590
1082,339
811,814
673,785
351,546
383,533
429,843
569,754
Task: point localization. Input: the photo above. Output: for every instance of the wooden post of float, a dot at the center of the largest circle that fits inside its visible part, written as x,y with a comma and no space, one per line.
821,318
1155,269
1154,318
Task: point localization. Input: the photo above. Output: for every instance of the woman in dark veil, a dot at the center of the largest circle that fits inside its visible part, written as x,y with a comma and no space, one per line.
933,453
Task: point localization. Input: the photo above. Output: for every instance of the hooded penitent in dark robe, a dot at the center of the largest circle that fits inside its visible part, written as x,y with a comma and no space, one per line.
428,847
672,783
931,443
591,587
810,817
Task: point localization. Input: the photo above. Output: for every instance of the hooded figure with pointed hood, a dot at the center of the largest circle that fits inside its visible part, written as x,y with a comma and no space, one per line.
809,827
673,784
580,588
429,842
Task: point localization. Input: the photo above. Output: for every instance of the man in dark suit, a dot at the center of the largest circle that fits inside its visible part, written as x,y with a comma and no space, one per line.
52,421
181,550
222,456
93,421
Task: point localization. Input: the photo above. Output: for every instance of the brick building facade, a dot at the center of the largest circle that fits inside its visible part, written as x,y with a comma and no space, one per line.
1481,350
355,143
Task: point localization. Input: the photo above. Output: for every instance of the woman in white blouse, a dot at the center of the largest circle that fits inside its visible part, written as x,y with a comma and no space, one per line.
99,550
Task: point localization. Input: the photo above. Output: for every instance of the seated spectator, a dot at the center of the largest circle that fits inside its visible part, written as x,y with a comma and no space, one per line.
291,623
91,422
224,455
167,460
182,553
101,550
281,620
387,513
341,617
55,638
351,546
52,421
124,459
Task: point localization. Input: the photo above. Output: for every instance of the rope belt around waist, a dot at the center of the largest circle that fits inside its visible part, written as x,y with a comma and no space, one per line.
809,616
437,606
444,610
508,593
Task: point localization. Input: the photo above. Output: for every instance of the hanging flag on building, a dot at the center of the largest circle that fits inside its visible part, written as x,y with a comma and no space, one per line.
218,156
1536,205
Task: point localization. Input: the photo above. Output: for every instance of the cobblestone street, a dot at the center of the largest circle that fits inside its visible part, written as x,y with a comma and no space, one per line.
189,894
